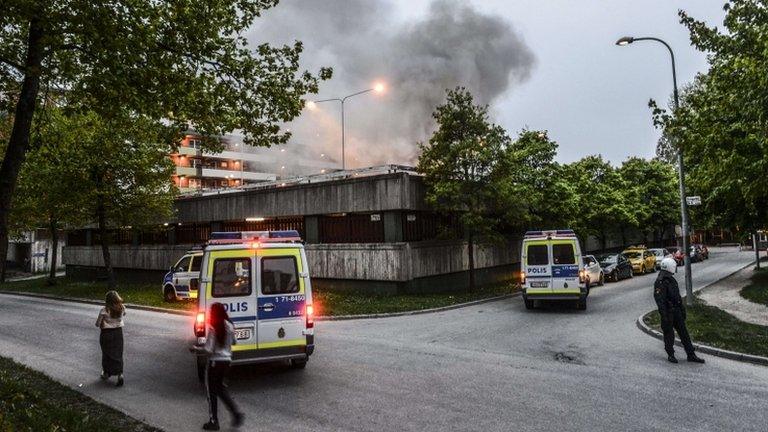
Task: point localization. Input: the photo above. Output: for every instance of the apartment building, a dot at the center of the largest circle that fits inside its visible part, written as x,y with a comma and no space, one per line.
239,164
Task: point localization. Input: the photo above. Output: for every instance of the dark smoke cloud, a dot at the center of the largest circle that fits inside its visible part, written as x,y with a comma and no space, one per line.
364,41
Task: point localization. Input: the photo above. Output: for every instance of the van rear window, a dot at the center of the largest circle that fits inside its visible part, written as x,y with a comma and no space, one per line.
279,275
231,277
537,255
563,254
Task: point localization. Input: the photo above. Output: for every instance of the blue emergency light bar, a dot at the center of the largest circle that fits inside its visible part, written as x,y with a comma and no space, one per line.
558,233
233,237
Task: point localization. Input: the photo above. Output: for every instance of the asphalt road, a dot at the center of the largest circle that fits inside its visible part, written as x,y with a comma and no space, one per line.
488,367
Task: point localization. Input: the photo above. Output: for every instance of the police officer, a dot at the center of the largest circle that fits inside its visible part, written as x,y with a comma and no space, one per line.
672,311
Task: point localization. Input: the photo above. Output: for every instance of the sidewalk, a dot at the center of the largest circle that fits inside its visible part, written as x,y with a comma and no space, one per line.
34,276
725,295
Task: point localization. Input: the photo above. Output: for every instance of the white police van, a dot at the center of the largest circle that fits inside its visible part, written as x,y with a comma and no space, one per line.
181,281
262,279
552,268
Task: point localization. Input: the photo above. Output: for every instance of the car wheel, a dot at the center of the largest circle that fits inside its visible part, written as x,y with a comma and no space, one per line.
631,274
528,304
169,295
602,279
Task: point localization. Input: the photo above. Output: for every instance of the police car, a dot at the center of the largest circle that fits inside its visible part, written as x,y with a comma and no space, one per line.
262,279
181,281
552,268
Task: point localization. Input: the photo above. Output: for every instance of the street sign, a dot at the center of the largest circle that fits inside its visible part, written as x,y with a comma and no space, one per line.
693,200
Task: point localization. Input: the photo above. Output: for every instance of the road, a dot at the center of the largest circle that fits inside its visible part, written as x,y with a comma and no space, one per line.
490,367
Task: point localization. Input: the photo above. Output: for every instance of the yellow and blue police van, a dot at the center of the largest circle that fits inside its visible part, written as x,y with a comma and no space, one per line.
552,268
181,281
262,279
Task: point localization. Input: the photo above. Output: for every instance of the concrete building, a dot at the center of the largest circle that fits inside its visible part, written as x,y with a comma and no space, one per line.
32,252
240,164
366,229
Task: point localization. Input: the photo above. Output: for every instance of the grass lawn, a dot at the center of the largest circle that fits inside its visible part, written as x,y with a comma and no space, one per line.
711,326
326,303
143,294
757,291
30,401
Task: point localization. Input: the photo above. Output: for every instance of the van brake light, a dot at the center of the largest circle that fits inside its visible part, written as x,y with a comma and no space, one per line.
200,324
522,277
310,316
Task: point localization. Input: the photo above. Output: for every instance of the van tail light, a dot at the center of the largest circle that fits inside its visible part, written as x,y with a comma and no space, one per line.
200,324
582,276
310,316
522,277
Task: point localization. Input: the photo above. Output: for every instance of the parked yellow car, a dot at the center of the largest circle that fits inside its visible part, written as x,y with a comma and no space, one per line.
642,260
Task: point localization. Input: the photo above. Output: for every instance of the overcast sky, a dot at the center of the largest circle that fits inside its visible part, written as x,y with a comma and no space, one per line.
565,73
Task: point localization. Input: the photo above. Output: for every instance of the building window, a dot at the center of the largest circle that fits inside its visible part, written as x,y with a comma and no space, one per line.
195,143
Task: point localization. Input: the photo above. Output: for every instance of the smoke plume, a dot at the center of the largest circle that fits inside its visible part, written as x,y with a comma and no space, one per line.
365,41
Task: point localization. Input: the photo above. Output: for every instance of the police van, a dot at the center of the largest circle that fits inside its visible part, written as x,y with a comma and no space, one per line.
262,279
552,268
181,281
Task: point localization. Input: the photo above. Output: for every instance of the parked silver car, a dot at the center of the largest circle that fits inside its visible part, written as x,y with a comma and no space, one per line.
592,271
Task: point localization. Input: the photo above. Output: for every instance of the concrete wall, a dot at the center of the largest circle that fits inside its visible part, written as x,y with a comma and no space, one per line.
398,191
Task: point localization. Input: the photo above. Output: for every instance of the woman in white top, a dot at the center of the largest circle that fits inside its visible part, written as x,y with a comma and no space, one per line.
110,321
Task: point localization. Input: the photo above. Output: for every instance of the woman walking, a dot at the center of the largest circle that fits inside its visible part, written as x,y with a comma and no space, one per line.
220,335
110,321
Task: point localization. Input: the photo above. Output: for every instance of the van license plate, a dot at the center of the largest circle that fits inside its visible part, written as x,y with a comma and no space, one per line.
539,284
241,334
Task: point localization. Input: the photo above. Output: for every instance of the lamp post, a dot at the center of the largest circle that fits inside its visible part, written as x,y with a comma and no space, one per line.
680,168
378,88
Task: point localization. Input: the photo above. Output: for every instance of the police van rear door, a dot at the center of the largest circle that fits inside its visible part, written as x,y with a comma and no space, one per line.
281,299
232,283
565,267
537,267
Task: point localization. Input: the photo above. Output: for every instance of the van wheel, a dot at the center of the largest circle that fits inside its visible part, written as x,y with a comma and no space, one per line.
299,364
528,304
581,304
201,368
169,295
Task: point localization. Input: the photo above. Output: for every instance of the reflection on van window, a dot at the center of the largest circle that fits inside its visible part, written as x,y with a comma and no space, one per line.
563,254
231,277
279,275
537,255
196,263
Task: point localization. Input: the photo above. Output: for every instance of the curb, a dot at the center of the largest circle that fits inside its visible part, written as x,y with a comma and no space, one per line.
318,318
731,355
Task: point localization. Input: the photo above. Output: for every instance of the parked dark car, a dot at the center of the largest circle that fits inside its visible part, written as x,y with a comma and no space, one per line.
695,254
677,254
703,250
615,266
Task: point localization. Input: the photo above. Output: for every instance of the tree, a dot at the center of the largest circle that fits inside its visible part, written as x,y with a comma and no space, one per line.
187,63
533,184
47,194
652,187
461,168
722,124
603,204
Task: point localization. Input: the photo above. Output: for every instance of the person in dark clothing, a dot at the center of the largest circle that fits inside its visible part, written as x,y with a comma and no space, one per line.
220,336
672,310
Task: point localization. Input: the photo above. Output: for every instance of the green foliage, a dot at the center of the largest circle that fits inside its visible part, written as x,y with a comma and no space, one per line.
722,124
651,190
186,62
30,401
461,164
603,199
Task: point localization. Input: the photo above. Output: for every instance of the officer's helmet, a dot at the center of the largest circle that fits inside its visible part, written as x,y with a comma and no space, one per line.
669,264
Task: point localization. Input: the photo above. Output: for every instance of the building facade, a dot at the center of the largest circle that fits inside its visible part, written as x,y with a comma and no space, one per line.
240,164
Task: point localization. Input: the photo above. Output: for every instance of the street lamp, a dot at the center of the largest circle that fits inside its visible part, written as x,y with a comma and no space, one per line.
378,88
626,40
